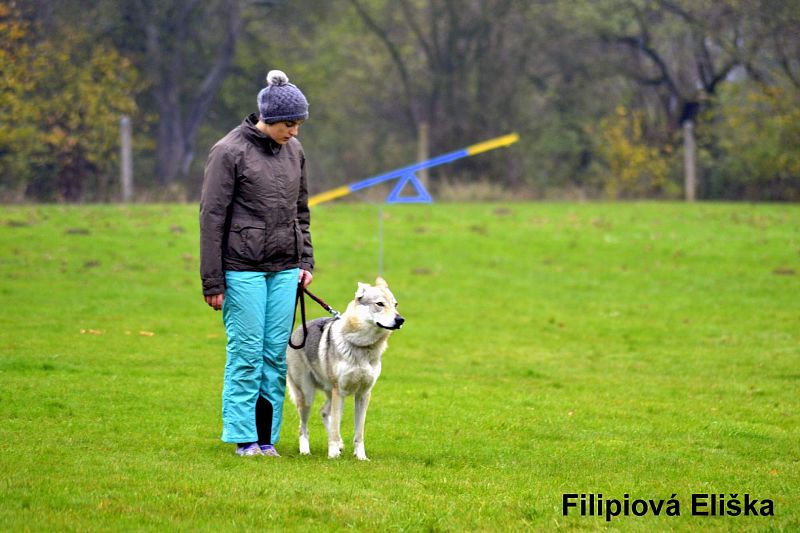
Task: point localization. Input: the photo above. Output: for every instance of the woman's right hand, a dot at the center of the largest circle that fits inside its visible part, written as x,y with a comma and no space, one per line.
215,300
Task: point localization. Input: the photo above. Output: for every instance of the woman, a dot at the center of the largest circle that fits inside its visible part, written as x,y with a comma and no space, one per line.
255,246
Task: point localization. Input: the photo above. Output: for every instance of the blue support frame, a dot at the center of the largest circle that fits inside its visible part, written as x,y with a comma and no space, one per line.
422,196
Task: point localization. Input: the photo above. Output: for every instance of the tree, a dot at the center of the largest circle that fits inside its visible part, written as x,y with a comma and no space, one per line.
186,50
18,135
63,97
375,71
458,66
682,50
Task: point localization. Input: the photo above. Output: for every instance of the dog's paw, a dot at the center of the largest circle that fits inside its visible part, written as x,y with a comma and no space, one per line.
334,451
341,445
359,452
305,449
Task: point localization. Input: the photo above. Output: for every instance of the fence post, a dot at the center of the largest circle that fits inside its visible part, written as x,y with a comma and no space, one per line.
423,151
126,158
689,161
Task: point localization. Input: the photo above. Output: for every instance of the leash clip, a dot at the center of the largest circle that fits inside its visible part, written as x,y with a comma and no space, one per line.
322,303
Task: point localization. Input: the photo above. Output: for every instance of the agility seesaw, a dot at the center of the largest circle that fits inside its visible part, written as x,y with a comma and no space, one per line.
407,175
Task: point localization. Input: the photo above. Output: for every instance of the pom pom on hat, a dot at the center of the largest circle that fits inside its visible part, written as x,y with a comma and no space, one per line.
277,77
280,100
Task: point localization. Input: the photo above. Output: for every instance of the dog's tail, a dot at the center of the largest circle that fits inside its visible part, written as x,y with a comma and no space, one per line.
291,385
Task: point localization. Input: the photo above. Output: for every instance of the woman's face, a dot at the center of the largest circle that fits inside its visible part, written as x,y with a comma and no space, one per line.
282,132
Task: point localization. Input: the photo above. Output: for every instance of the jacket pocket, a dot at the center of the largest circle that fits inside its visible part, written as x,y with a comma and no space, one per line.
246,239
280,245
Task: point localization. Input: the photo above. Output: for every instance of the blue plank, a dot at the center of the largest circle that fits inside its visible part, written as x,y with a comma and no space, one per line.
411,169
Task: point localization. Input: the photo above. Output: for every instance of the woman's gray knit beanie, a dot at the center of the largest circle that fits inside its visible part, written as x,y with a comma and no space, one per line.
280,100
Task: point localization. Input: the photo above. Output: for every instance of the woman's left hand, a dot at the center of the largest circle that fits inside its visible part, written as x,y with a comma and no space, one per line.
305,278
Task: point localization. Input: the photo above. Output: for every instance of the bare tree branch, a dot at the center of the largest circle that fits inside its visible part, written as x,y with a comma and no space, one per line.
417,31
397,59
213,79
637,43
675,9
786,63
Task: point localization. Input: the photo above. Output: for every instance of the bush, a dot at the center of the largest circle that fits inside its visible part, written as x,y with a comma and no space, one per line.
630,166
757,135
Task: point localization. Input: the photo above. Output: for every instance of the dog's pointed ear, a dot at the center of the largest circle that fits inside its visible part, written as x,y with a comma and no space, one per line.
380,282
362,289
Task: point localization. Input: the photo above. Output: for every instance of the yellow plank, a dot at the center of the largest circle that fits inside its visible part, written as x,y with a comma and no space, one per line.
491,144
329,195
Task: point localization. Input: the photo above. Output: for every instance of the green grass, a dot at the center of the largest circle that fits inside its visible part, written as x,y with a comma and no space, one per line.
645,349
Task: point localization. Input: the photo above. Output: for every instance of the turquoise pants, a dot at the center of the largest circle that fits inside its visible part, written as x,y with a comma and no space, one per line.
257,312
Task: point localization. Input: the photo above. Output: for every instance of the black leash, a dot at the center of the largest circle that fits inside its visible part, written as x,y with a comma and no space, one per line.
320,301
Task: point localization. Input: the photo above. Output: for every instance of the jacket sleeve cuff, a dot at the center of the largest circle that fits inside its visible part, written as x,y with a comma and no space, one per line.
213,286
307,266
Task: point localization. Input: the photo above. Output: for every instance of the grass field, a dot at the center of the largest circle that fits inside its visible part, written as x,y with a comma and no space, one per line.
644,349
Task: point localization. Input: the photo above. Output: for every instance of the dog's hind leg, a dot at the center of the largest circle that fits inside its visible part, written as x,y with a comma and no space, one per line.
362,402
325,413
303,395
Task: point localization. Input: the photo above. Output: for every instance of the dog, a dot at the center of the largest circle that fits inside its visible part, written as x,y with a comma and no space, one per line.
342,357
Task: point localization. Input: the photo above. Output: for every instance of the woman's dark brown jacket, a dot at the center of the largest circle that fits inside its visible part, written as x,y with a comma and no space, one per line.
254,207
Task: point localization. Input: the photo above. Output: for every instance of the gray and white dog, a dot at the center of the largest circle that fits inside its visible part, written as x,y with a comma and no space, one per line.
342,357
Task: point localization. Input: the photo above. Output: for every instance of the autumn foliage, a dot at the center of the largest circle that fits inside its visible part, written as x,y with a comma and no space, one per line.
60,105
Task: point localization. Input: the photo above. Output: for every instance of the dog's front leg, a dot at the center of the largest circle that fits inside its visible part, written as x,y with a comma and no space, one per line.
362,402
335,443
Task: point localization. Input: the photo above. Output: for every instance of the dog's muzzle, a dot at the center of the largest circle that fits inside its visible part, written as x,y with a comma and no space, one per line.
398,322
